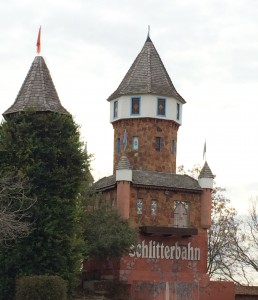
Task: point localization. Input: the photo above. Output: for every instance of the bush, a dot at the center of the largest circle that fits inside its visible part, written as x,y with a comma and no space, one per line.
41,288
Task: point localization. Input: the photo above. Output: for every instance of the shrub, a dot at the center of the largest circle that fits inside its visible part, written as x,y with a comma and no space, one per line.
41,287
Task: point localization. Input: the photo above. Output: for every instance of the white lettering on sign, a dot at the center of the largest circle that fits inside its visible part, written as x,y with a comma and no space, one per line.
159,250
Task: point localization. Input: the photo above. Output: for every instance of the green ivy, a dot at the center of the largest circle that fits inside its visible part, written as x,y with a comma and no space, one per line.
46,149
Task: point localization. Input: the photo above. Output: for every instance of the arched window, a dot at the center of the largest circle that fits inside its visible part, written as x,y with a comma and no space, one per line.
139,206
181,214
154,207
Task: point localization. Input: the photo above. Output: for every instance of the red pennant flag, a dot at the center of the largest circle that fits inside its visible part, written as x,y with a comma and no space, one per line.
38,41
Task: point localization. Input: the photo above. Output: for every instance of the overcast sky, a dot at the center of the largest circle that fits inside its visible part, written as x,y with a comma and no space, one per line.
209,48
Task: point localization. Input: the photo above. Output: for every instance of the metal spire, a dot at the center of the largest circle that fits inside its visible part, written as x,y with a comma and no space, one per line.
148,36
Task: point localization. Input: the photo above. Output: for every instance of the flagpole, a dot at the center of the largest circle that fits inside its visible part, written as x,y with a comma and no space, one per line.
204,151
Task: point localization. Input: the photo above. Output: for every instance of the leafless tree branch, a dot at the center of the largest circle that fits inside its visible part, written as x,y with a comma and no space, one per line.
14,208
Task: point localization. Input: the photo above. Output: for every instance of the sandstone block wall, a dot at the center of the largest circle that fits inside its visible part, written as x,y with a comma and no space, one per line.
147,157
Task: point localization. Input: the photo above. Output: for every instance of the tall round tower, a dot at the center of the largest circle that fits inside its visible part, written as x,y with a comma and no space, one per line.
146,112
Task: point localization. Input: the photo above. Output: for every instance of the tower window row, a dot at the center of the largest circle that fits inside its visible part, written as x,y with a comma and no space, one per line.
135,107
154,207
135,144
180,212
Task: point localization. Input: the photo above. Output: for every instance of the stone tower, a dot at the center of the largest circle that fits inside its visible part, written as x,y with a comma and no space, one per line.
146,112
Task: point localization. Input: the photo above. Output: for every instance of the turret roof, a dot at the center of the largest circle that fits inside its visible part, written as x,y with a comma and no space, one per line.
206,172
37,92
147,75
124,163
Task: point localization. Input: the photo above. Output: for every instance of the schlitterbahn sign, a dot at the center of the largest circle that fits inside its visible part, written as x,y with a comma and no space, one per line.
154,249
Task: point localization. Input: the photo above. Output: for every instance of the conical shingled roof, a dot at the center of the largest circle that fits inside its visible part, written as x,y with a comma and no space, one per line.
124,164
206,172
147,75
37,92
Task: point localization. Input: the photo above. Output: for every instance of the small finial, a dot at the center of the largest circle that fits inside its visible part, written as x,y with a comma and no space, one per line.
148,36
38,41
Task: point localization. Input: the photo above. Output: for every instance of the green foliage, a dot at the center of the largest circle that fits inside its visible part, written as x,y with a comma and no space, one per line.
41,288
106,234
46,149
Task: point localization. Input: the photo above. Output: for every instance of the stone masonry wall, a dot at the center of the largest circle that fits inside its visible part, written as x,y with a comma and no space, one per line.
147,157
165,207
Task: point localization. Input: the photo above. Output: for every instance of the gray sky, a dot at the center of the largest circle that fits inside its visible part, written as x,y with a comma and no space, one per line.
209,48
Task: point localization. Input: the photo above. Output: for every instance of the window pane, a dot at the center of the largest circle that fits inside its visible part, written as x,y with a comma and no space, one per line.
173,147
161,106
139,206
177,111
118,147
135,143
154,207
181,214
115,113
135,109
158,143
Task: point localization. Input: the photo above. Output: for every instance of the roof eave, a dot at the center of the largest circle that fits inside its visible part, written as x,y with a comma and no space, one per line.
169,188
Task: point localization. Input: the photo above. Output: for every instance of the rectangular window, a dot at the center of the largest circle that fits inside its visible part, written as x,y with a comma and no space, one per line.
158,143
177,111
173,147
135,105
161,107
135,143
154,207
181,214
118,145
139,206
115,111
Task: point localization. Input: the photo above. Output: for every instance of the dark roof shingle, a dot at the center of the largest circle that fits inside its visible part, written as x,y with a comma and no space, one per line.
37,92
123,163
206,172
147,75
152,180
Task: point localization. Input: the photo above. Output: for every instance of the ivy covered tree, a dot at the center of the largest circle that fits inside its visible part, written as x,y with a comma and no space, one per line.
45,147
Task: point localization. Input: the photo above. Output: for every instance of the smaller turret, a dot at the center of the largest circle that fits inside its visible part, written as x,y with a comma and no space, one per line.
205,180
123,179
38,92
